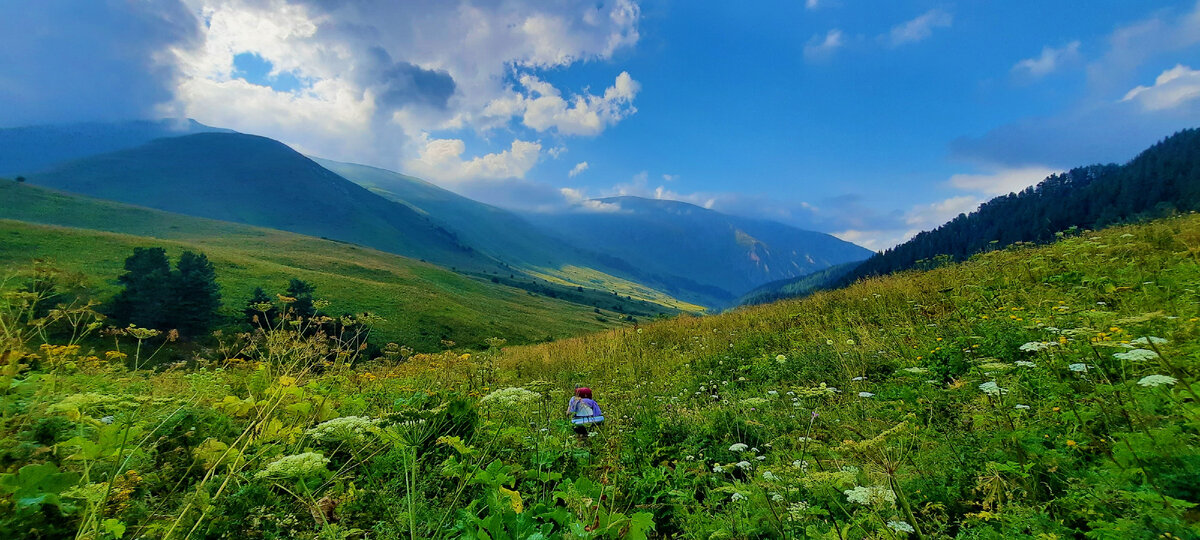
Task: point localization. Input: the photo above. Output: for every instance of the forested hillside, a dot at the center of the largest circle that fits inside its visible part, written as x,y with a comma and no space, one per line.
1161,180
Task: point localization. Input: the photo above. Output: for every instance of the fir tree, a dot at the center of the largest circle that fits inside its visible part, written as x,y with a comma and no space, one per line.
196,296
302,291
147,289
256,317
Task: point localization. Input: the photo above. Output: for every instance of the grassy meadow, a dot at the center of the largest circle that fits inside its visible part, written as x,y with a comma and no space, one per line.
1032,392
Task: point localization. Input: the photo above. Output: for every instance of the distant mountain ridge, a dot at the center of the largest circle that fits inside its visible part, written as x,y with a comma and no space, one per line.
673,238
659,251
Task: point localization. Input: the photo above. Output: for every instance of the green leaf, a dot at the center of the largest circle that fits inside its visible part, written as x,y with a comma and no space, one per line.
114,527
639,524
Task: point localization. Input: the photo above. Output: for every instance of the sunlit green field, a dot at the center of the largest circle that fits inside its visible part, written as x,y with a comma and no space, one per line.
1043,392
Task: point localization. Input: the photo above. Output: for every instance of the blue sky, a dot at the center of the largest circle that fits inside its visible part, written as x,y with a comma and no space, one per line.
869,120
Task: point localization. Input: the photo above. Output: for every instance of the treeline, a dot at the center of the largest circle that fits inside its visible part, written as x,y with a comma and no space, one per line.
1162,180
187,299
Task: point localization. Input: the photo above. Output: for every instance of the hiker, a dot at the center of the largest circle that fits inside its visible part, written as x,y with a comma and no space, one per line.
584,411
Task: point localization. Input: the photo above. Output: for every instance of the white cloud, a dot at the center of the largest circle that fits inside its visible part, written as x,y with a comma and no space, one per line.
543,107
811,4
1131,46
1171,89
670,177
578,169
1002,182
821,47
875,240
579,201
919,28
1050,60
441,160
375,78
929,216
557,151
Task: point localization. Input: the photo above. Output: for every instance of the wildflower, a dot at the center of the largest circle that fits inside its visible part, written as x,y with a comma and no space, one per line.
744,465
781,359
992,389
718,469
916,370
1071,442
868,496
1022,407
1151,339
829,342
511,397
1078,368
849,342
1037,346
900,526
865,394
859,379
1152,381
1136,355
304,465
799,464
776,497
737,497
770,476
1025,363
760,458
738,447
346,428
797,510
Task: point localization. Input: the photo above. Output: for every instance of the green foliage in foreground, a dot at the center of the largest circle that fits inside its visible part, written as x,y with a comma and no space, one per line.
1031,392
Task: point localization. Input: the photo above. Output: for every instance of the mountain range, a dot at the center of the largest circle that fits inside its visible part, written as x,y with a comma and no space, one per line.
672,253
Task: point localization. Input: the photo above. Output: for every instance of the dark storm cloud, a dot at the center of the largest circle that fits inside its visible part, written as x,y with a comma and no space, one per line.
89,60
400,83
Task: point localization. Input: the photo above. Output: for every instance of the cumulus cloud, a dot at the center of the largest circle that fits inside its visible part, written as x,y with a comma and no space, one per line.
1050,60
919,28
578,169
94,60
1172,88
542,106
378,80
442,159
821,47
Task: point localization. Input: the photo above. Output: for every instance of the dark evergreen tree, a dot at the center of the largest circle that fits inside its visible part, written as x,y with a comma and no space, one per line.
146,292
302,291
196,296
256,317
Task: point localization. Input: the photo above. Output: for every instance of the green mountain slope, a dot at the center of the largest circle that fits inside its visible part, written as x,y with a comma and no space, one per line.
421,302
798,286
25,150
525,247
494,231
258,181
722,256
